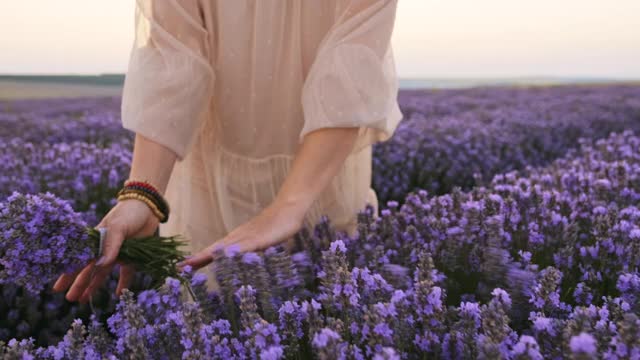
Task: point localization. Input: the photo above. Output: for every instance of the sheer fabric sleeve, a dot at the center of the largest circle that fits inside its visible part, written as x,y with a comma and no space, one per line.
169,80
352,81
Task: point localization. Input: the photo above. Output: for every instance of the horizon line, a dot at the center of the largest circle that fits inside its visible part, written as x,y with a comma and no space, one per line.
420,77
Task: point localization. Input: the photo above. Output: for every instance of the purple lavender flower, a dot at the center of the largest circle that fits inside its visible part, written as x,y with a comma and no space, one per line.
527,348
42,237
291,317
583,344
274,352
328,344
248,307
387,353
338,245
629,286
323,338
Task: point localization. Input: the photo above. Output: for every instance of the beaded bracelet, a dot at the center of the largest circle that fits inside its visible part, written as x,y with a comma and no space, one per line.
145,191
145,182
142,183
144,199
162,217
156,198
153,206
147,186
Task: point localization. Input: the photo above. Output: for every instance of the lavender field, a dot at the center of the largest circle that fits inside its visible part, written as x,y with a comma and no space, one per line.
509,229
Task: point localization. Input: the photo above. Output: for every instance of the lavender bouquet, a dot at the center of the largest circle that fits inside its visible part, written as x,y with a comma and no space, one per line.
42,237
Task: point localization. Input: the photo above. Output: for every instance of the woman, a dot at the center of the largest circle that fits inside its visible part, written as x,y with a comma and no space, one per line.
253,118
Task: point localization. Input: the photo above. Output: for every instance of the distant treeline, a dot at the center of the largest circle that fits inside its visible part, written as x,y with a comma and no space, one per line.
104,79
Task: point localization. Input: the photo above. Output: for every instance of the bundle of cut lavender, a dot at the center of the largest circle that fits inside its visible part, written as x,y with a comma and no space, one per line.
41,237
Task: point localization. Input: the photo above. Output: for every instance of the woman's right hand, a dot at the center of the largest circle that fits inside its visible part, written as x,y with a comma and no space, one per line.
129,218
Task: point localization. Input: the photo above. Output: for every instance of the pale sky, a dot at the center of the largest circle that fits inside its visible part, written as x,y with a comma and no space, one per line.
432,38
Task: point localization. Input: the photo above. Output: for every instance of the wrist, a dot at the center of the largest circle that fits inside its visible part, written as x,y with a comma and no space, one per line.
151,206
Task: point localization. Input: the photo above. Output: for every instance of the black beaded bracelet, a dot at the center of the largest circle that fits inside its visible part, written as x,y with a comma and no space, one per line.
146,199
147,187
150,192
156,197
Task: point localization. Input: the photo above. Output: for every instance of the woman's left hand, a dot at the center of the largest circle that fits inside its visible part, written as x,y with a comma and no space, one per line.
274,225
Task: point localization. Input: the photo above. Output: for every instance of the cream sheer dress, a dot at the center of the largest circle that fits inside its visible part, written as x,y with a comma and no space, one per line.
233,86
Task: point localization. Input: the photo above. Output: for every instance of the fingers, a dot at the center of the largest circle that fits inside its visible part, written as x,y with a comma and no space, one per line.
127,273
80,283
113,241
93,275
242,239
95,281
198,260
89,279
205,256
64,281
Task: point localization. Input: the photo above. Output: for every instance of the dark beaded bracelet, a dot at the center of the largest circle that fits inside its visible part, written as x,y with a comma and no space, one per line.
151,198
143,188
156,197
145,198
147,186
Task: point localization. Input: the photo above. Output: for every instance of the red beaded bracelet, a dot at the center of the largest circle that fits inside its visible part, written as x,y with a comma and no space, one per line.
152,193
141,183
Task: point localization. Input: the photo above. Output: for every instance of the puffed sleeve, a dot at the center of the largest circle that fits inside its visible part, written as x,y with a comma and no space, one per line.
169,80
352,81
